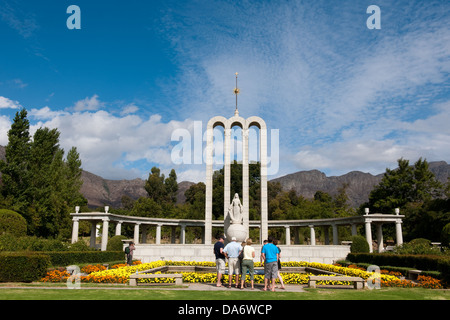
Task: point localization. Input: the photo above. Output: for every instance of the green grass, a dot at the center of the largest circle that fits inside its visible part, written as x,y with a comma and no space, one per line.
117,293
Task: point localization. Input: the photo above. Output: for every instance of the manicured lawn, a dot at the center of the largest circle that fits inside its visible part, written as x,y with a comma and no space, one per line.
161,294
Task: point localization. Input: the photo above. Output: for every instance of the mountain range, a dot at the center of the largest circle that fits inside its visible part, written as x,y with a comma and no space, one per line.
100,192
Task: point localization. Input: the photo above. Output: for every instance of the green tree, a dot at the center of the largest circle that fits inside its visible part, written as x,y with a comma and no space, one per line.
404,185
72,176
147,207
194,193
171,186
39,182
341,202
155,185
15,171
195,201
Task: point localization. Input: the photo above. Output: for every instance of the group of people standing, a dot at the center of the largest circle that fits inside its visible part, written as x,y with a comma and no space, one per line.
241,259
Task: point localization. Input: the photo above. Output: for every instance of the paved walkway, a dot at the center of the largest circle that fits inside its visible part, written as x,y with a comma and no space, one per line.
185,286
258,287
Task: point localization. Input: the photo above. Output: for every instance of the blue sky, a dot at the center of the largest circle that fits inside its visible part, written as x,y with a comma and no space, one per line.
343,97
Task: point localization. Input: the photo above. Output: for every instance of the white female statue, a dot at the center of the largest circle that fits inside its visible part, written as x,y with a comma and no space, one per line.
236,210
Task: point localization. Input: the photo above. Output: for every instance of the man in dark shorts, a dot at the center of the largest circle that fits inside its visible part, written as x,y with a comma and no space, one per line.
270,255
220,259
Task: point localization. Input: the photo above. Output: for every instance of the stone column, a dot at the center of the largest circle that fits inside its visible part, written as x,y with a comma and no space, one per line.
136,233
208,183
369,234
183,234
288,235
119,228
75,228
398,232
245,179
313,235
227,174
380,237
105,234
158,233
263,157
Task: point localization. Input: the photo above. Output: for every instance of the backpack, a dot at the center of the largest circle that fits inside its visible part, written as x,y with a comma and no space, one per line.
127,250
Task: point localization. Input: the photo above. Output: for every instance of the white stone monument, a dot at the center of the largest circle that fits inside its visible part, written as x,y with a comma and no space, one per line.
244,124
235,214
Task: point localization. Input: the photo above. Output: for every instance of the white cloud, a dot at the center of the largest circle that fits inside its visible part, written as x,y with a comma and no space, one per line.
18,19
5,125
129,109
343,97
372,156
109,145
6,103
88,104
44,113
192,175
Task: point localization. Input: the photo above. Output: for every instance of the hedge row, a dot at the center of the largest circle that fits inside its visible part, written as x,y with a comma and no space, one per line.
23,267
65,258
444,268
421,262
31,266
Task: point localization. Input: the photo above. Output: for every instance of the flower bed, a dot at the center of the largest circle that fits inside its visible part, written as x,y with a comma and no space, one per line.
121,274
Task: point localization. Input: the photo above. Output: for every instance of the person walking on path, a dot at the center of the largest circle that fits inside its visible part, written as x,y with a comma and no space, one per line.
247,263
270,255
232,250
129,252
220,259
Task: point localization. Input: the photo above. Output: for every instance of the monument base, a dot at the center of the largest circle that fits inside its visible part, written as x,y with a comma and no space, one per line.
201,252
239,231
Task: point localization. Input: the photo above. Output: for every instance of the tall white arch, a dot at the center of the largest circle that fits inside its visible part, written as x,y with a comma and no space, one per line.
227,124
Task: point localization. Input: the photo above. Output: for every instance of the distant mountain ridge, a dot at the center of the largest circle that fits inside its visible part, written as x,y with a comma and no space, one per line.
307,183
100,192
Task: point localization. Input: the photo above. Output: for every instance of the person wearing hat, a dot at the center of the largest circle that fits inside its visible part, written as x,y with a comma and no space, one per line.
232,250
220,259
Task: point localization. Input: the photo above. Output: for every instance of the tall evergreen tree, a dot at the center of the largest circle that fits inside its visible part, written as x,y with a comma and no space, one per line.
171,186
38,182
15,170
155,185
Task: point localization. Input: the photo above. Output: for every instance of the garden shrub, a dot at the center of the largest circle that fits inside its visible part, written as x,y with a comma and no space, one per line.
39,244
444,268
8,242
417,246
115,243
80,245
22,267
421,262
12,222
66,258
359,245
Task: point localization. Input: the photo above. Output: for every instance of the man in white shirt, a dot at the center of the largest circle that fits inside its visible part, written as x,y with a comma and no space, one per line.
231,251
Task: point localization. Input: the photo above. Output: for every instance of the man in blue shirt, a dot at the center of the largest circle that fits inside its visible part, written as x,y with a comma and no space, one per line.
231,251
270,254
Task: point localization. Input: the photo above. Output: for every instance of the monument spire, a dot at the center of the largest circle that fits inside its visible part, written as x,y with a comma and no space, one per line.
236,92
